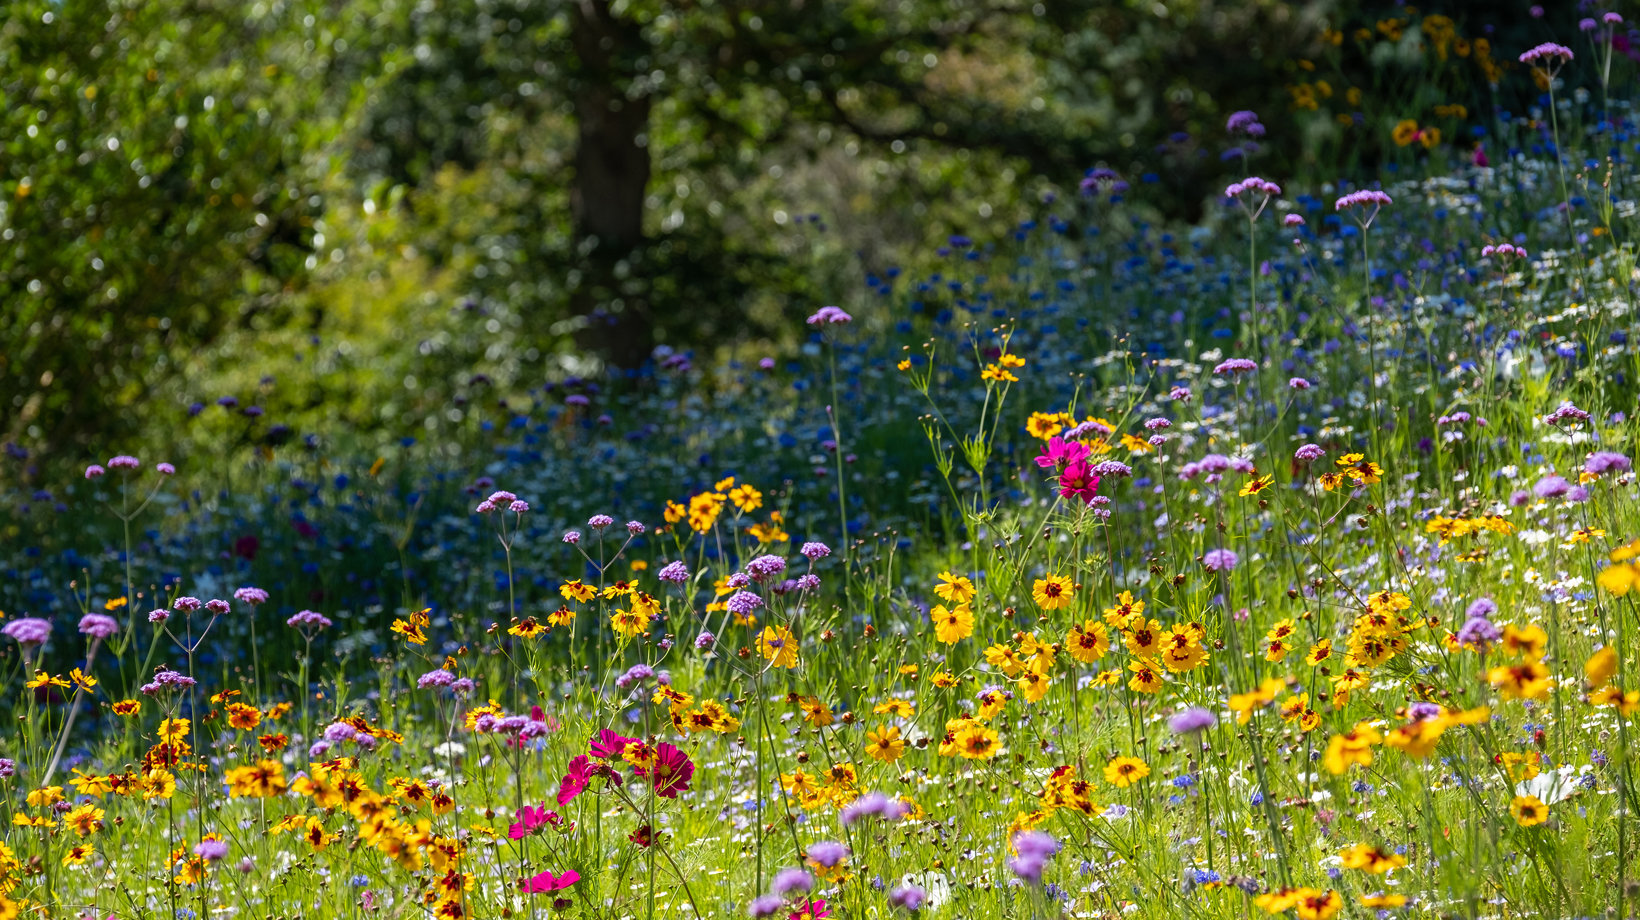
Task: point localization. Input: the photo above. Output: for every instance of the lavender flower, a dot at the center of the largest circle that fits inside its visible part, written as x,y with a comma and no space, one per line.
438,678
1219,560
124,462
251,596
791,881
675,573
766,567
1602,462
309,619
1309,453
98,625
742,603
909,898
28,631
815,551
1192,720
829,316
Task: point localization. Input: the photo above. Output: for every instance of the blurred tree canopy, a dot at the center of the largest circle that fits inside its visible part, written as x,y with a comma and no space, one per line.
371,211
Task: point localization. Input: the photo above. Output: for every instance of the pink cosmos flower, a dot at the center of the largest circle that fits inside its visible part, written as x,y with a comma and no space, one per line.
1059,453
1078,480
609,745
575,781
547,882
530,819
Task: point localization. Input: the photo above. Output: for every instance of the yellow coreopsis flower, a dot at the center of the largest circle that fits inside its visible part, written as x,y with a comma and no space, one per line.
778,646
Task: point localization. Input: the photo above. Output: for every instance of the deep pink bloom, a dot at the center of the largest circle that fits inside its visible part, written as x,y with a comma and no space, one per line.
575,781
529,819
673,771
1059,453
814,910
547,882
1078,481
609,745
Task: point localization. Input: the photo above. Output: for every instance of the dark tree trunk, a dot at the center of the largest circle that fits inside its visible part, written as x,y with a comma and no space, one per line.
612,171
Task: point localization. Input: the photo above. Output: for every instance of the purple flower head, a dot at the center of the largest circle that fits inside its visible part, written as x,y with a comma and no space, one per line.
518,506
827,853
813,551
1219,560
8,768
868,805
1293,220
1602,462
831,316
1192,720
211,850
1235,366
766,363
1587,25
251,596
1179,394
572,537
217,606
123,462
807,582
1552,486
599,521
675,573
1244,122
1566,412
438,678
1612,18
166,679
1482,607
158,617
577,399
1361,199
1309,453
93,471
1112,468
309,619
634,527
1034,848
463,686
1423,711
766,567
793,881
340,731
909,898
27,630
1478,631
742,603
738,580
765,906
187,604
1157,424
165,469
634,675
1547,56
1252,185
1298,383
98,625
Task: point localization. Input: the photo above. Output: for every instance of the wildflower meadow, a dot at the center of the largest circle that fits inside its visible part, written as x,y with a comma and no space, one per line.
1277,562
